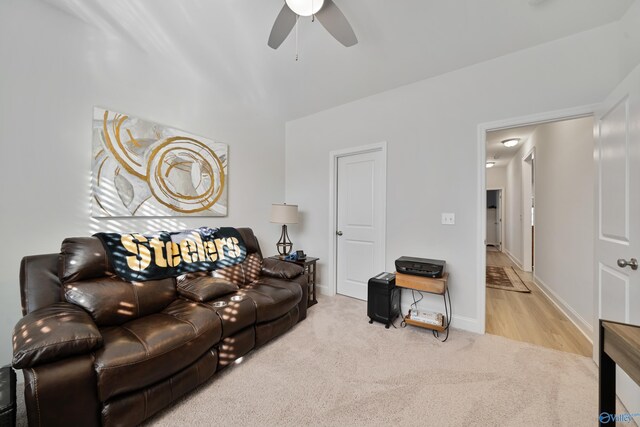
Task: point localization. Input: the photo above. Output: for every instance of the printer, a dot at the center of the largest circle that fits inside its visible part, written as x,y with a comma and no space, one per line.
420,266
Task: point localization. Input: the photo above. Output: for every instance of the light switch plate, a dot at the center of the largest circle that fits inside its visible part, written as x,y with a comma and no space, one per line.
448,219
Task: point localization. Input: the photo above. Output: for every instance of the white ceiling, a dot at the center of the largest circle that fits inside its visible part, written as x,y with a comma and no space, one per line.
497,152
400,41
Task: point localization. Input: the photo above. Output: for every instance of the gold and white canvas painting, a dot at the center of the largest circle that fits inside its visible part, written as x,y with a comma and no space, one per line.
141,168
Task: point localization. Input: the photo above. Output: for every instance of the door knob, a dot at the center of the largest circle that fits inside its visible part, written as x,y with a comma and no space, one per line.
339,233
633,263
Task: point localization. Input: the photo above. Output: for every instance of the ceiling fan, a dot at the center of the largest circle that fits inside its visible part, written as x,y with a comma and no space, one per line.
327,13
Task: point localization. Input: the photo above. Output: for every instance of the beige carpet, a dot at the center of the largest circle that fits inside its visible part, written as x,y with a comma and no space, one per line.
337,369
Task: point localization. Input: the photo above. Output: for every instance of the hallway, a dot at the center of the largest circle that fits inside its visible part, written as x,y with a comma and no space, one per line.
530,317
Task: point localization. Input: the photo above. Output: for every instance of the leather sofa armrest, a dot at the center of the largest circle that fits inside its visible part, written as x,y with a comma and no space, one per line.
53,333
280,269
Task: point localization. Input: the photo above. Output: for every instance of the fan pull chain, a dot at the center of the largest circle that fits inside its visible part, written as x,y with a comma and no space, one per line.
297,20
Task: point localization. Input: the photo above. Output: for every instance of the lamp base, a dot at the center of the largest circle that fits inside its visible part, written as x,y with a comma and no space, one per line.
284,245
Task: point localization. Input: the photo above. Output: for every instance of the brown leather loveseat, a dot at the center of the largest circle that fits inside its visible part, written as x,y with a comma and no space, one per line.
97,350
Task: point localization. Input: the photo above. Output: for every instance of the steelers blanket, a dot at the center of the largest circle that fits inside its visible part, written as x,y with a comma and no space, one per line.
137,257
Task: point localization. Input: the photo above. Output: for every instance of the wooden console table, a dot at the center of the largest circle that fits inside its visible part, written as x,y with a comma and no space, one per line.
619,345
437,286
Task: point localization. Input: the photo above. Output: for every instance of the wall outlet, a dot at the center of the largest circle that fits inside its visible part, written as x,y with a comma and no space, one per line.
448,219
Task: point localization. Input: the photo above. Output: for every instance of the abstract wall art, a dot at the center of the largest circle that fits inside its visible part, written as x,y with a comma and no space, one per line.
141,168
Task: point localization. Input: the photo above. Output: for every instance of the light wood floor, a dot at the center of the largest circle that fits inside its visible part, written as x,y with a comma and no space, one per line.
530,317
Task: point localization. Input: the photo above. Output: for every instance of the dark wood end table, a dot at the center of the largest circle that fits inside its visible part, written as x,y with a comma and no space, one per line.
619,345
7,396
309,265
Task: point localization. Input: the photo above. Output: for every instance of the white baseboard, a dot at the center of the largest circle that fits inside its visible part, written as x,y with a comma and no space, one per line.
515,260
467,324
583,326
324,290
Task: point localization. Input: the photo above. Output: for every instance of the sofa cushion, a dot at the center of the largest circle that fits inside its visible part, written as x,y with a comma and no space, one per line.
203,287
297,284
267,331
294,286
113,301
133,408
271,302
250,240
146,350
281,269
82,258
252,266
240,274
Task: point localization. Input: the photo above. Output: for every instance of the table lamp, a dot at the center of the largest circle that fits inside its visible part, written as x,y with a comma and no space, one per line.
284,214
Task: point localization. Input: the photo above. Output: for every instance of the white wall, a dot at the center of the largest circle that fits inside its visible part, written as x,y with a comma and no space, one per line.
54,70
565,173
496,178
514,246
431,130
513,212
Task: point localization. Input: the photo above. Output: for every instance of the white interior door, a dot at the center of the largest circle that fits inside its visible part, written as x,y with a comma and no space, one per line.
360,223
492,220
617,153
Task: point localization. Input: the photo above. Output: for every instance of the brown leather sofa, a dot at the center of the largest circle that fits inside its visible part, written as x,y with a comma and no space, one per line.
97,350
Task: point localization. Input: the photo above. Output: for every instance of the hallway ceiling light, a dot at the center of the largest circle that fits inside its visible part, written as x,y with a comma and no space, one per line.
491,164
511,142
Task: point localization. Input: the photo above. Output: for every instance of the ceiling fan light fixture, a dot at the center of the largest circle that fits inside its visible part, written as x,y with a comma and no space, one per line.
305,7
490,164
511,142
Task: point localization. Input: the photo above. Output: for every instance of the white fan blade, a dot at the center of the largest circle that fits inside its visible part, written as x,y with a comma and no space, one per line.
335,22
285,22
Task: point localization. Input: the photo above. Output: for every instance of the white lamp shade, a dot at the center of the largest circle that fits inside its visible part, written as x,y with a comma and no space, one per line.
284,214
305,7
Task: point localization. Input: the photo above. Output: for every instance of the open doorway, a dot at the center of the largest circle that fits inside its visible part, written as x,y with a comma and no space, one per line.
546,172
494,220
528,210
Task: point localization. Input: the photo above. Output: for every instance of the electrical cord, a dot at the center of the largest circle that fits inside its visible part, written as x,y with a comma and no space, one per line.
413,295
403,324
448,314
393,322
